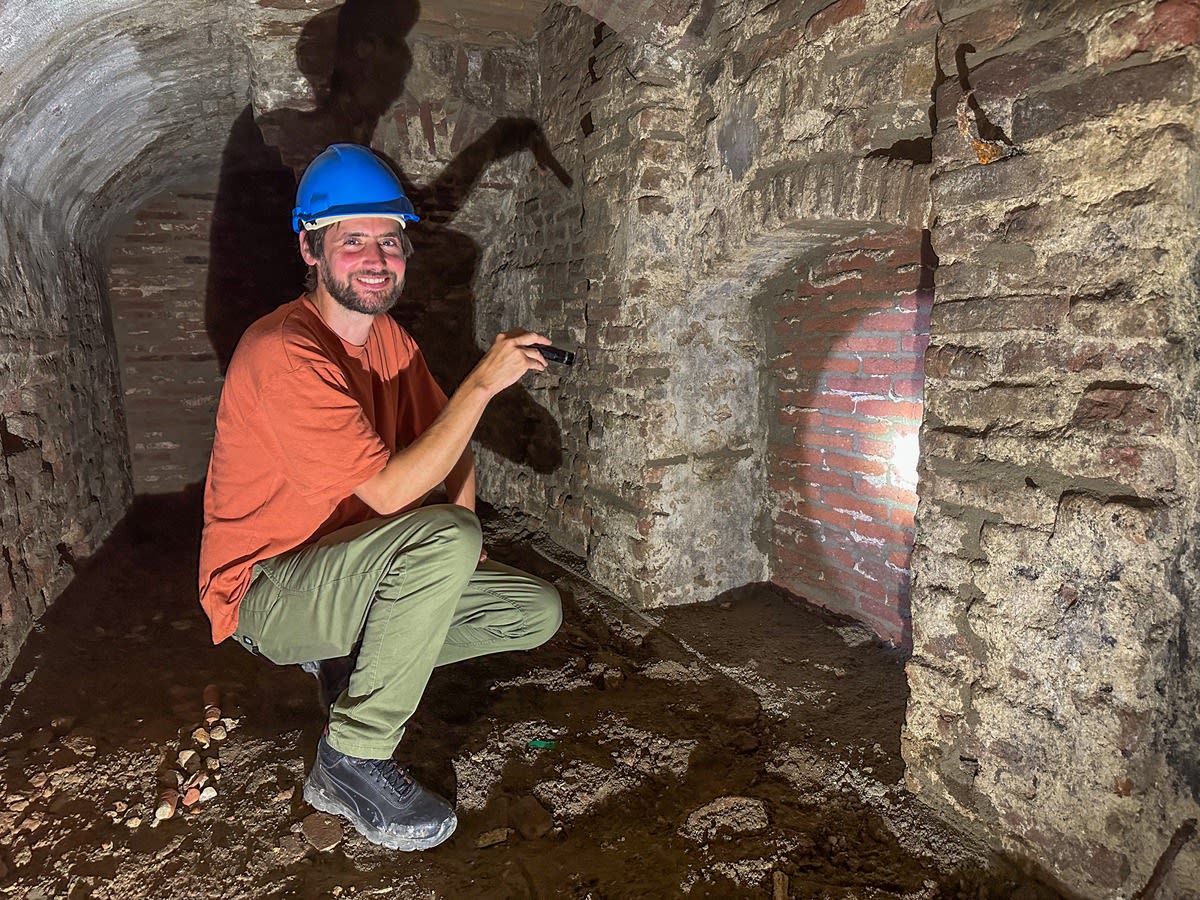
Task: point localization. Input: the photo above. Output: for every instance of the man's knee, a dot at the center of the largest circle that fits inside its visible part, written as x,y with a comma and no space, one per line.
457,532
545,613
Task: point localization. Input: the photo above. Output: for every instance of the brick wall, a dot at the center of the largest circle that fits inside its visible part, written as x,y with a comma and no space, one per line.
847,356
158,270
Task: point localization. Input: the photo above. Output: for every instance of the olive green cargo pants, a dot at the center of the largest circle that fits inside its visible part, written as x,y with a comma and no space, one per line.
409,594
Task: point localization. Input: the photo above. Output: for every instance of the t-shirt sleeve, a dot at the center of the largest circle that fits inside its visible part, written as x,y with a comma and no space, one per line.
326,447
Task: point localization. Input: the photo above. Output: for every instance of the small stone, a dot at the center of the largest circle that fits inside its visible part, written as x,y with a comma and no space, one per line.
168,802
212,695
192,797
743,742
727,815
322,830
613,679
218,732
743,711
212,763
291,847
80,745
208,793
492,838
212,714
189,760
530,818
201,737
285,795
62,724
134,822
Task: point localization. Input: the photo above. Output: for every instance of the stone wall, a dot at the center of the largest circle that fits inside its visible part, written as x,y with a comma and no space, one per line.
1051,609
64,478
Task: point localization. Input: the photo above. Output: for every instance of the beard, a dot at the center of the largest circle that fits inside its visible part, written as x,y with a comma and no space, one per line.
345,294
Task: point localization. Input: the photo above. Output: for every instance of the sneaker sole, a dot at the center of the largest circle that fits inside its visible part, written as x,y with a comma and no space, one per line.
318,799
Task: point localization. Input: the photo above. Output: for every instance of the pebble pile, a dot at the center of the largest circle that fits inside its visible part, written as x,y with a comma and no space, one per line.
189,778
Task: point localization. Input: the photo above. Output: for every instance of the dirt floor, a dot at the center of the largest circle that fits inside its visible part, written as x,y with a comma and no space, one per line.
745,748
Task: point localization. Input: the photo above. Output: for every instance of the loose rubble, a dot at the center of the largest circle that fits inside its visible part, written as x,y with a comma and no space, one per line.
192,784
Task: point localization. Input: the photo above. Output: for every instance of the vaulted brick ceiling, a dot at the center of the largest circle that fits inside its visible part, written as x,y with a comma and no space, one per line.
104,102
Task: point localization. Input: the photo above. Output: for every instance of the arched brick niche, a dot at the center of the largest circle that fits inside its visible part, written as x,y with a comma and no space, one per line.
101,104
846,355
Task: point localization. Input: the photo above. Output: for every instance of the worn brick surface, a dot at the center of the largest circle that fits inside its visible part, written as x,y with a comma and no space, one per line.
158,272
848,399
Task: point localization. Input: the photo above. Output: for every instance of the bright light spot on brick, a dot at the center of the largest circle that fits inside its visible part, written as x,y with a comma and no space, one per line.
906,449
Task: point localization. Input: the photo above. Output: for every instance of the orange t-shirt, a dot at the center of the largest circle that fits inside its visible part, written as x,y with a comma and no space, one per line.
304,419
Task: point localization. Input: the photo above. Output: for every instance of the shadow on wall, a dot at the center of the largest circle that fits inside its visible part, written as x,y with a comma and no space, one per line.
847,366
356,59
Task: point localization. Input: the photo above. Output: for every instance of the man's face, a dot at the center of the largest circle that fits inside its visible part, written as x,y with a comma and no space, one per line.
361,264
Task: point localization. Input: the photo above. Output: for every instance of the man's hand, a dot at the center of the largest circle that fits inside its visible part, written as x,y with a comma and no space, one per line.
512,354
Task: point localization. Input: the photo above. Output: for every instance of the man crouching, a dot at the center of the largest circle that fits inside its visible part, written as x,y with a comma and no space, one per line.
331,433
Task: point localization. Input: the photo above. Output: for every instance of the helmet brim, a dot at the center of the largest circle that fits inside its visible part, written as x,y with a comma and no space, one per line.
333,214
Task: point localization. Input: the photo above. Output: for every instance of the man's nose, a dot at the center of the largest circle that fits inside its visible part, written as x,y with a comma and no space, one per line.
375,253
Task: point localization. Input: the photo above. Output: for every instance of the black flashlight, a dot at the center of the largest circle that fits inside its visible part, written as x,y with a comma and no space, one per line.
556,354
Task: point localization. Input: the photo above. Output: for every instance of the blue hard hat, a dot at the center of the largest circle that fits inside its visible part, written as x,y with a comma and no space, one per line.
347,181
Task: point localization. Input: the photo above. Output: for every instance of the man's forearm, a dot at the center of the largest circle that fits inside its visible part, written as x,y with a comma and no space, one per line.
430,460
460,483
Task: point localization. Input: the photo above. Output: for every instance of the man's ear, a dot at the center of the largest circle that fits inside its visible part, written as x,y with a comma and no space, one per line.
305,254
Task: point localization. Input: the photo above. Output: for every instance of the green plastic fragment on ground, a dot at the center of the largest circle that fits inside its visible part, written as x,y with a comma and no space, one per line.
539,744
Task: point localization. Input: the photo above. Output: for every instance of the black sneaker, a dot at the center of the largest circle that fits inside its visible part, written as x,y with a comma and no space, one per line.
380,799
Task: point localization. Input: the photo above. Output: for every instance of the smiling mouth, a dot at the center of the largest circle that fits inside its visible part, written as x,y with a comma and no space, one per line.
374,281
